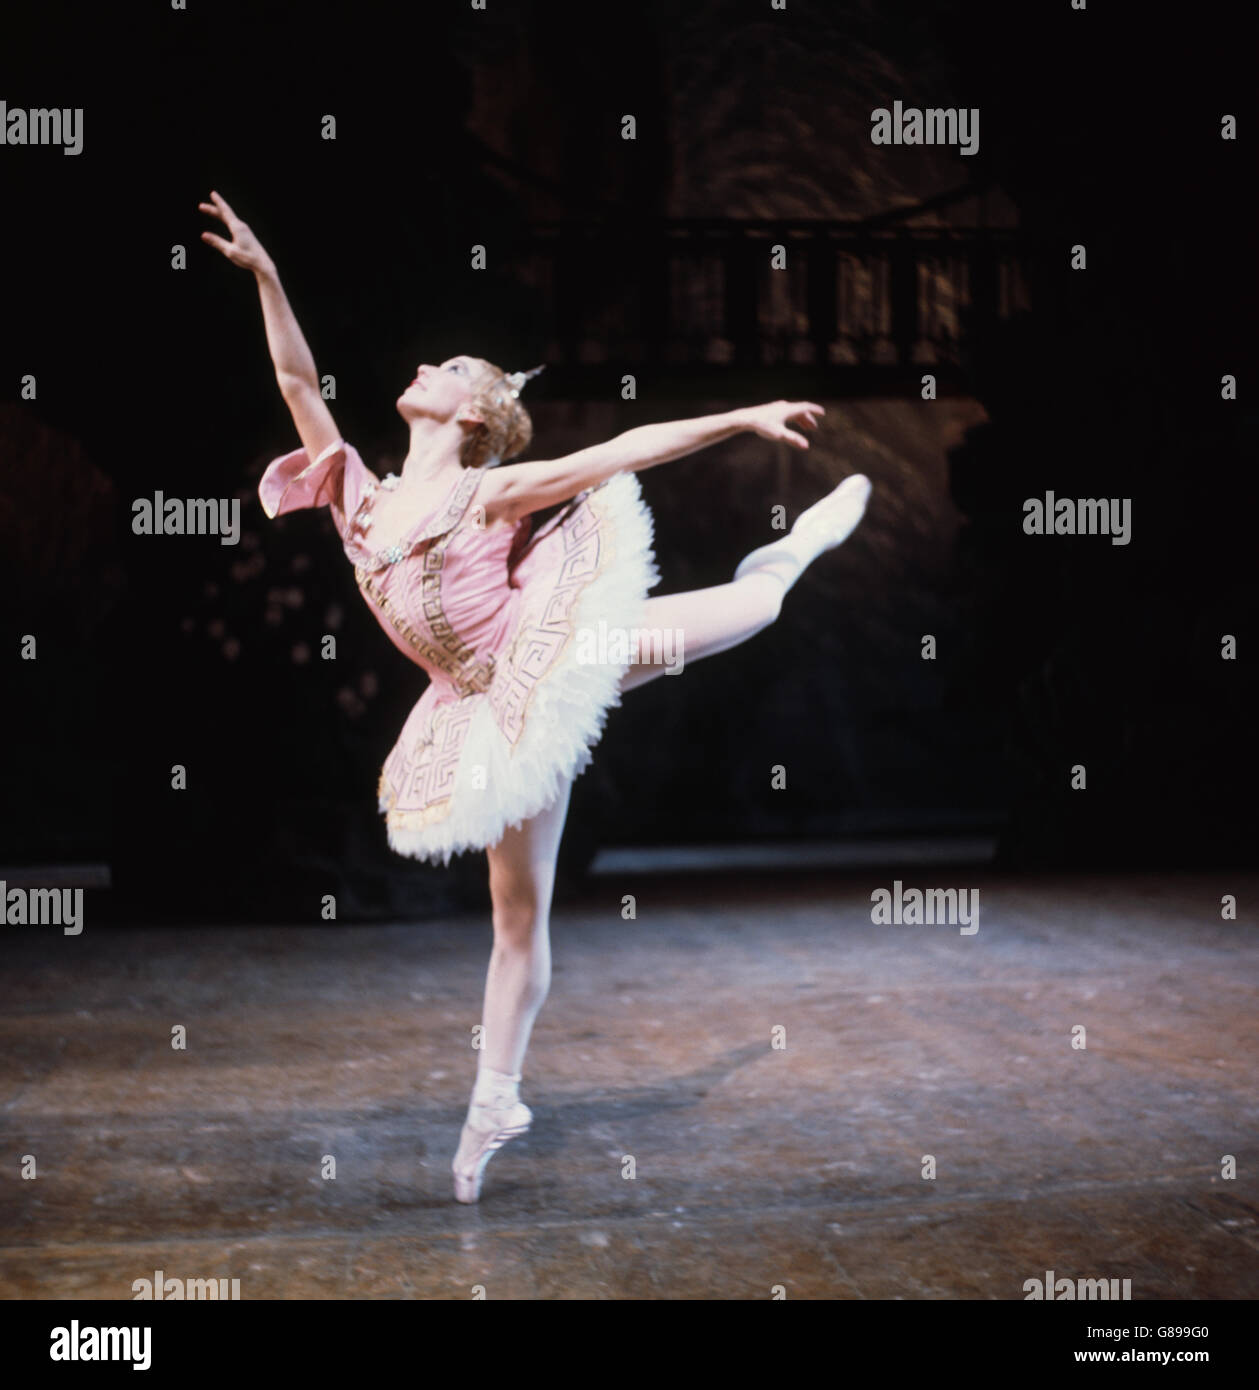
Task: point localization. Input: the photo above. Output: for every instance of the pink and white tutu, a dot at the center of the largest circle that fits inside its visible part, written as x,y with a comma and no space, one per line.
493,615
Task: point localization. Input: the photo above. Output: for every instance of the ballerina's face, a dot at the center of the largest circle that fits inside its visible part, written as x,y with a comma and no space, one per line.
439,392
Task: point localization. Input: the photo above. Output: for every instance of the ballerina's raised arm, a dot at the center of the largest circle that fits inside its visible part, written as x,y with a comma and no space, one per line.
294,364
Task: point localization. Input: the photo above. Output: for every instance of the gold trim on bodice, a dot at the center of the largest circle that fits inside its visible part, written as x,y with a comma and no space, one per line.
468,673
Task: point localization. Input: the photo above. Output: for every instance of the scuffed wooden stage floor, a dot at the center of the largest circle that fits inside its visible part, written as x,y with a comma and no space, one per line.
754,1166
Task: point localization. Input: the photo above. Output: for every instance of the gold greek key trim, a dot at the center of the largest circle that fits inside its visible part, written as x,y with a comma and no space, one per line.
469,675
410,820
606,535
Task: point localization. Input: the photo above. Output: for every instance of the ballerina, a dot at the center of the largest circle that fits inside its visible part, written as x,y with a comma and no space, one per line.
449,560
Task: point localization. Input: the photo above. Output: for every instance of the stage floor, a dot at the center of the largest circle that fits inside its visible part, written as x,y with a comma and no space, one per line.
754,1166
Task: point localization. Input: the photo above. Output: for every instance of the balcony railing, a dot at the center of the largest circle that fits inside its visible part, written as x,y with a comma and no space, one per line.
833,303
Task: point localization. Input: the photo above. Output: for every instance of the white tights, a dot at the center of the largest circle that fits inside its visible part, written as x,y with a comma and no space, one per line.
522,864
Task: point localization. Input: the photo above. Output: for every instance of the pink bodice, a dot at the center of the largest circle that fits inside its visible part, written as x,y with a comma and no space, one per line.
445,594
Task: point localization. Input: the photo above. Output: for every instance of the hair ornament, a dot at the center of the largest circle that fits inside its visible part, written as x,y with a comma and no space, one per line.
517,379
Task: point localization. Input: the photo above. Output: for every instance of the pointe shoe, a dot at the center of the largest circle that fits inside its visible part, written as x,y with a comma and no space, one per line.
486,1130
838,512
819,528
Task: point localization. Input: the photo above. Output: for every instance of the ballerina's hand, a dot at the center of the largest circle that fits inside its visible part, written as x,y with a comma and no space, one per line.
770,421
244,249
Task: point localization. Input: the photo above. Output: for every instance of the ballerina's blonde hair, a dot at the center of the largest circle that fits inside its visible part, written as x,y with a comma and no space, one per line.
506,428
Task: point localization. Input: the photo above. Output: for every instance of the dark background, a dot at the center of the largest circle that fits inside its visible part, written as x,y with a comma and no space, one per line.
455,127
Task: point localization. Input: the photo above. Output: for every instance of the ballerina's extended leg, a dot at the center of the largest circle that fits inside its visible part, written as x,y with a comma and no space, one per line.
707,621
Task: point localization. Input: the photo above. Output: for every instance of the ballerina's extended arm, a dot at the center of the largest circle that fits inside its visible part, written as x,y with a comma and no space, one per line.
294,365
515,490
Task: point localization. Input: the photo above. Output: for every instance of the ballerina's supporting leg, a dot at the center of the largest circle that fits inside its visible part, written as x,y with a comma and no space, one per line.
703,622
522,880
